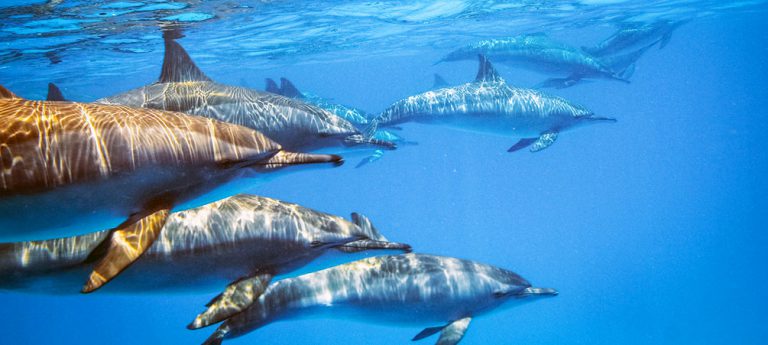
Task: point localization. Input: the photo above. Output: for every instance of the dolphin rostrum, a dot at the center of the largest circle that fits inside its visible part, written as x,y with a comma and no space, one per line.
401,289
244,238
66,165
292,123
542,54
490,105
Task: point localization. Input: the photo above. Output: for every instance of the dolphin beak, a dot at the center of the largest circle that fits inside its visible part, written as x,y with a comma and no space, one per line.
366,244
600,119
532,291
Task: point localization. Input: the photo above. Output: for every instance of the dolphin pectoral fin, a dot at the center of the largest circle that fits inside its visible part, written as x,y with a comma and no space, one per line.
427,332
452,334
376,155
523,143
125,245
544,141
235,298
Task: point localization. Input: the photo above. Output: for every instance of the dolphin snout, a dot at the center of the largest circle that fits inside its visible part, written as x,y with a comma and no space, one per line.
533,291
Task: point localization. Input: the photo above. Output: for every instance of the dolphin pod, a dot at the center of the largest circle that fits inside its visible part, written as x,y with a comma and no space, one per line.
75,160
408,289
490,105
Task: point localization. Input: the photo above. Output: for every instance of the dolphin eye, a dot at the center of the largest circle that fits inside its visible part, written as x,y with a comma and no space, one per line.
498,294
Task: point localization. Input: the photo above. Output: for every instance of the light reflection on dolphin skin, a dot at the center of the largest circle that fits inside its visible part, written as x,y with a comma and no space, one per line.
410,289
201,248
292,123
489,105
64,163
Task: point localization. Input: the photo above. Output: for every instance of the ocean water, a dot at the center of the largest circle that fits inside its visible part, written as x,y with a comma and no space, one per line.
653,229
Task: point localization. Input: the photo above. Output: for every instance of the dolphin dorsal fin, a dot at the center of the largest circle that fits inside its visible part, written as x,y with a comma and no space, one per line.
178,66
486,72
54,93
287,89
5,93
271,86
439,82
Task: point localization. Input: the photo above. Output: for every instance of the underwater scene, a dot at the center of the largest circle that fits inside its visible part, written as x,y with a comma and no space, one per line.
383,172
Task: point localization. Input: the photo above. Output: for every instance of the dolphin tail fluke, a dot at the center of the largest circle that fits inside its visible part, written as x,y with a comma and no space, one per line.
271,86
125,245
54,93
287,89
236,297
450,334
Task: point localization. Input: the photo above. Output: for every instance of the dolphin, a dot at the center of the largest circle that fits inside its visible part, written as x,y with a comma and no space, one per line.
635,37
399,289
292,123
489,105
244,240
356,116
538,52
68,164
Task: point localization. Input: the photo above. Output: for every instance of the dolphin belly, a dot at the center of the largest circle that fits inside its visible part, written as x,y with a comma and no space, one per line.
515,125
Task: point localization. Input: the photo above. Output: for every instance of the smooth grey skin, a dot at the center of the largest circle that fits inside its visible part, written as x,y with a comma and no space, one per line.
635,37
291,122
198,249
489,105
538,52
408,289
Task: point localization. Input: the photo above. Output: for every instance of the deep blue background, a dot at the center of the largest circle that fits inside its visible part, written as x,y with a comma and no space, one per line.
652,229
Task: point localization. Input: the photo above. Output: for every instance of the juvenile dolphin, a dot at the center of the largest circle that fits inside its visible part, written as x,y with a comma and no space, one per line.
292,123
400,289
635,37
65,164
489,105
542,54
244,238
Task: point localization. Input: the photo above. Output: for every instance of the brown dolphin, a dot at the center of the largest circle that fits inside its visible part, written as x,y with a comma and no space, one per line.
63,163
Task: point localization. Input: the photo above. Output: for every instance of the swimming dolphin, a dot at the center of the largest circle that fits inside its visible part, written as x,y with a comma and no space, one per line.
356,116
542,54
401,289
292,123
635,37
244,238
65,164
489,105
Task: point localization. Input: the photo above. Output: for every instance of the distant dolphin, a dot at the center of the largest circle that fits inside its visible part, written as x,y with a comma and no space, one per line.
490,105
409,289
540,53
65,164
635,37
354,115
244,237
292,123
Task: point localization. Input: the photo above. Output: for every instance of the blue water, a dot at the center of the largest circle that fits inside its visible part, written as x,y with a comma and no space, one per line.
652,228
